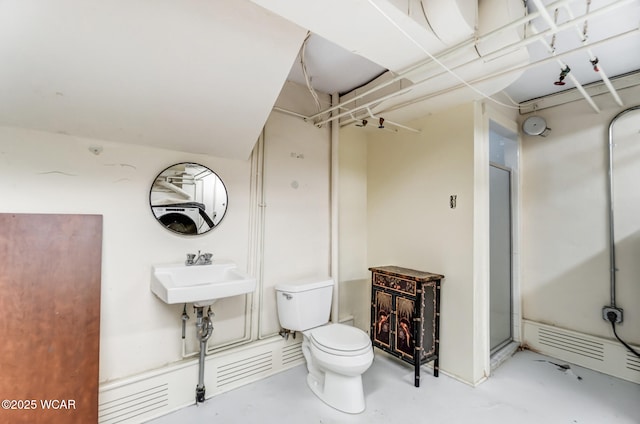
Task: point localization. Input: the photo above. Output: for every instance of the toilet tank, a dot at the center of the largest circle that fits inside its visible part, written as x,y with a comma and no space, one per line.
304,304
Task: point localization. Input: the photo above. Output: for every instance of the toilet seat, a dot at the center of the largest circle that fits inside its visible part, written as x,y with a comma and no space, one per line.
340,340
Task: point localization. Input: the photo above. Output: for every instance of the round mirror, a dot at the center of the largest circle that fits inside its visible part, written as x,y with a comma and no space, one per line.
188,198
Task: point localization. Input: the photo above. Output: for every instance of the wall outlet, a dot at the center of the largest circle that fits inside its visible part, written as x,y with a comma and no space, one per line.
607,309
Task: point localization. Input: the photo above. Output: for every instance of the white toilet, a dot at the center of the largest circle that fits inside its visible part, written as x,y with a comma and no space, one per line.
337,355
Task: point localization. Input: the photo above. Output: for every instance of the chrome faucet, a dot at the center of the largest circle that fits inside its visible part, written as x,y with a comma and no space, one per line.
201,259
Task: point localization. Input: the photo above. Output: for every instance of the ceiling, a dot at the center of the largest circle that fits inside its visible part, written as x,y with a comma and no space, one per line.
179,75
328,63
202,76
610,35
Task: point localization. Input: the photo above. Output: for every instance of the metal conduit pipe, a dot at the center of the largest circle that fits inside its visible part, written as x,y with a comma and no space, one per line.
612,240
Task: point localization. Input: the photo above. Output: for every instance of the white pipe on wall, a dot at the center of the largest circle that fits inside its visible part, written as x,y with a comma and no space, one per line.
335,230
259,227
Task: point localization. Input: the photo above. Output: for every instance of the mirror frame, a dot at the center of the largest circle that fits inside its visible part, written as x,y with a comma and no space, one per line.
186,207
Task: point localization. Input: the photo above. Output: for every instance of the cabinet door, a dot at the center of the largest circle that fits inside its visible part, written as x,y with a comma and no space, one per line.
382,307
405,326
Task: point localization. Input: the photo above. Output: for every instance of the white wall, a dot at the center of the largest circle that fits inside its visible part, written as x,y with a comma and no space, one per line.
54,173
565,266
296,208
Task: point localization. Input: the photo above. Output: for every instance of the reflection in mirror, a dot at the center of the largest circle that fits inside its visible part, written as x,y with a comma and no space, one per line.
188,198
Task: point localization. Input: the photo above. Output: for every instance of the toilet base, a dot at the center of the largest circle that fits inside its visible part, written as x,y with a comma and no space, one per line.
338,391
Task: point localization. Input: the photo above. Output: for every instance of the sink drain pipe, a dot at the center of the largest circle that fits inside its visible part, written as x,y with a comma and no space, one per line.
205,330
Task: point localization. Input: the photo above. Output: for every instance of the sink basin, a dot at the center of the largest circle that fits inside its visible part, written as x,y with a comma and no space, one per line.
201,285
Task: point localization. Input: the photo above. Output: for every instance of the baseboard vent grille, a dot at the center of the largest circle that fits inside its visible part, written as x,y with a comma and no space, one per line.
292,353
570,343
133,405
244,368
146,396
593,352
633,362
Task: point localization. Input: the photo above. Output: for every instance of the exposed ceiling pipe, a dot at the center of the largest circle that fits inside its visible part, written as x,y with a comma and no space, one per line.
595,89
594,60
510,71
395,124
405,90
289,112
488,78
174,188
524,42
444,55
565,70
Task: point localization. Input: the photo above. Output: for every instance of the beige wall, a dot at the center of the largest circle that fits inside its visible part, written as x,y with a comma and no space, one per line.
409,179
565,265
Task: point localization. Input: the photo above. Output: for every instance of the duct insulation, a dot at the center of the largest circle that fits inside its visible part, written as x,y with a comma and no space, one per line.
463,71
452,21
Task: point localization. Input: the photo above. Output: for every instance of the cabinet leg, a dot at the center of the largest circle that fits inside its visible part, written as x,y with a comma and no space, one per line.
436,333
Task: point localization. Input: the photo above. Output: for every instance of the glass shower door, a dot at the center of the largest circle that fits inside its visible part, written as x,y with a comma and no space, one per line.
500,326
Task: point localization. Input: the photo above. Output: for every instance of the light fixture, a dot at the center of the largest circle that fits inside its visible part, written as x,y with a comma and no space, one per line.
535,125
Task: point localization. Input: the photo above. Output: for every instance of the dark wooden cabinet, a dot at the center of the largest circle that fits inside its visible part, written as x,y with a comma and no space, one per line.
405,315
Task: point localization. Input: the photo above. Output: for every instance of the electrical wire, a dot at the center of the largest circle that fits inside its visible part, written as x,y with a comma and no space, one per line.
307,78
613,327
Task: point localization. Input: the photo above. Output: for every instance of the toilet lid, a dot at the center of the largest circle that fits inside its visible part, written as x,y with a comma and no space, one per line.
340,337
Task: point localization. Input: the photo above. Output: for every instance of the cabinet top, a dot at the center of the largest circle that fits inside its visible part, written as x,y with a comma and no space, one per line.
406,273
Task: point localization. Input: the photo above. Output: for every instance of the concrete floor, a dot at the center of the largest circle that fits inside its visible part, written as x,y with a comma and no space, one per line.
528,388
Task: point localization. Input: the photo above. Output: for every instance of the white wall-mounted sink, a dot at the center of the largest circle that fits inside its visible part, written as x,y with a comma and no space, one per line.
201,285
